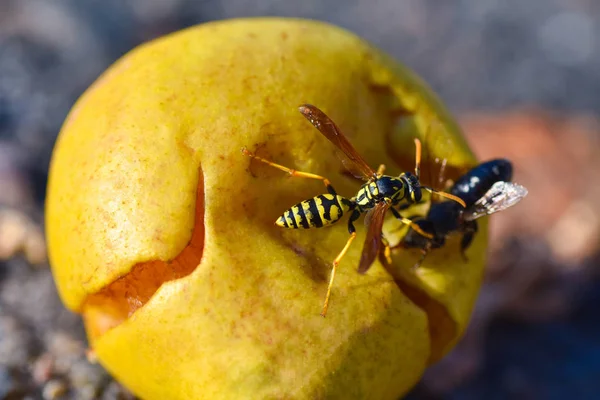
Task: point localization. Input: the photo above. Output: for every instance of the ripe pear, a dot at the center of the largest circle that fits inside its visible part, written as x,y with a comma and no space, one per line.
161,233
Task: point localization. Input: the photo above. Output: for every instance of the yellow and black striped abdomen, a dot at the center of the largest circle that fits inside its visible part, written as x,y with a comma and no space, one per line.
321,210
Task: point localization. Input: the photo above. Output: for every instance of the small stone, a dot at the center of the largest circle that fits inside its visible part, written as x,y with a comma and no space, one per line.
87,379
66,350
18,233
115,391
13,231
87,392
54,389
43,368
16,343
34,246
7,383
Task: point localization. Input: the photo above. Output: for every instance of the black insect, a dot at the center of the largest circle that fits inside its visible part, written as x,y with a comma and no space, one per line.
485,189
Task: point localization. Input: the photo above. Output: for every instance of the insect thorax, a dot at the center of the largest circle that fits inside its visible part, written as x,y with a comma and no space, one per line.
385,188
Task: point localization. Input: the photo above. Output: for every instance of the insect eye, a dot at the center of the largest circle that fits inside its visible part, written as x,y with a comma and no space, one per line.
416,195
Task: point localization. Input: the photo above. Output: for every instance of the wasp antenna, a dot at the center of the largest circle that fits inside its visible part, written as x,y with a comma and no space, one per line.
417,157
446,195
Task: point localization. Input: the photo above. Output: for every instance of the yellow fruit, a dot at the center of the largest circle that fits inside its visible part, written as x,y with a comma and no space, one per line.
161,233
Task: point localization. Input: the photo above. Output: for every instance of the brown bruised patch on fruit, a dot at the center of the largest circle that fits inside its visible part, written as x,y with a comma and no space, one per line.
442,327
116,302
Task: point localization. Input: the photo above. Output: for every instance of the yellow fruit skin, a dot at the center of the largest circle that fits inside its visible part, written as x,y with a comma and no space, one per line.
245,323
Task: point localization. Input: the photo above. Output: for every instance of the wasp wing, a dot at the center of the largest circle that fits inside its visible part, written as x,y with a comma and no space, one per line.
352,160
501,196
368,217
350,166
373,239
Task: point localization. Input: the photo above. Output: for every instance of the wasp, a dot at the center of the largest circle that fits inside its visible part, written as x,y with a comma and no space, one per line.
374,198
485,189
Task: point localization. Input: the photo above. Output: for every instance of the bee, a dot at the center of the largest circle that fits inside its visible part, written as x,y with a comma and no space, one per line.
375,197
485,189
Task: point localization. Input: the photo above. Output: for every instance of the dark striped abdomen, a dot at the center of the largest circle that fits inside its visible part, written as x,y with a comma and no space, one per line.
474,184
321,210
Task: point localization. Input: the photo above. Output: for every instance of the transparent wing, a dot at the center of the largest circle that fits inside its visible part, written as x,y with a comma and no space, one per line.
501,196
373,239
351,159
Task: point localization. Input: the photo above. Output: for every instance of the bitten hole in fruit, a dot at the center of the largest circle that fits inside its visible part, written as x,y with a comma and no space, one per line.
119,300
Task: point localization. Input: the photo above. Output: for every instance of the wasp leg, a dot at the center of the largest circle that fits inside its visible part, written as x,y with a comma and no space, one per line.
424,252
406,206
387,252
467,238
399,228
292,172
411,224
381,169
352,231
403,207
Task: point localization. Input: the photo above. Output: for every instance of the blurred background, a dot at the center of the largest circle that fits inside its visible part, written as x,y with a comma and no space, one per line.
521,76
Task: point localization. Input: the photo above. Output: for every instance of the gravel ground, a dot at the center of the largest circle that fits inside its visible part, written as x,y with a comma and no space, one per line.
481,56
